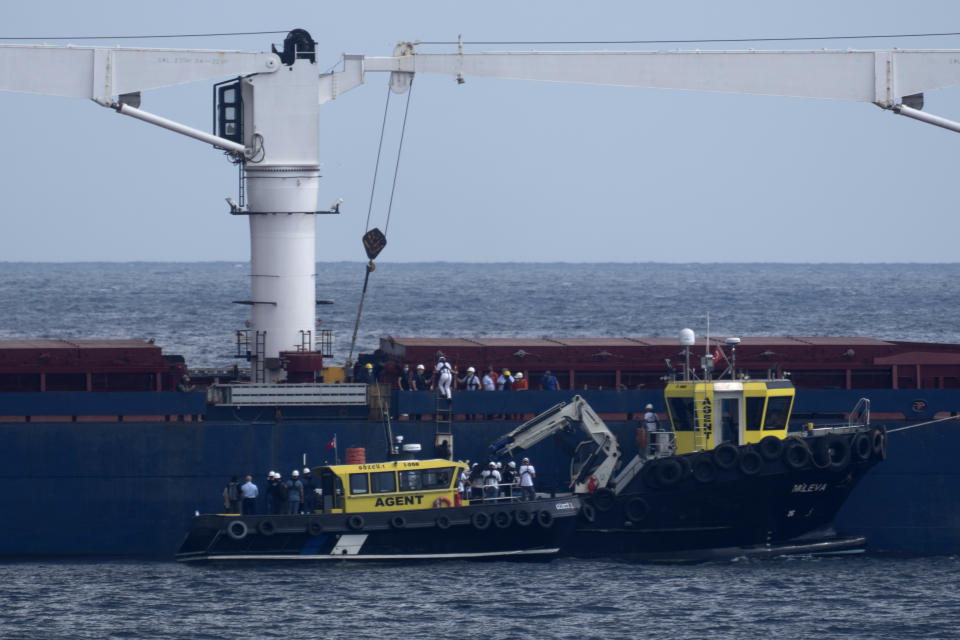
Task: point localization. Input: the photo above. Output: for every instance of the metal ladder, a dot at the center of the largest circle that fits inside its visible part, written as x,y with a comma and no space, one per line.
443,415
703,413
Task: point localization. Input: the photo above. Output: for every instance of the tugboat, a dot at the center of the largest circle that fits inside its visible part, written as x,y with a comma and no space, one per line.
723,478
396,510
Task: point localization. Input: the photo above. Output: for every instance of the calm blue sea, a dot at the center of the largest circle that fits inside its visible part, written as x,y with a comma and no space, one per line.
187,309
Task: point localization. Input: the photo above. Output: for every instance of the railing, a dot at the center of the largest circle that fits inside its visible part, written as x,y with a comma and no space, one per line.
249,395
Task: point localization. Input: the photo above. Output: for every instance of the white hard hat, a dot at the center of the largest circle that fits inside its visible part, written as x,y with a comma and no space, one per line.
499,465
295,473
512,464
270,474
306,469
493,465
519,375
526,459
419,366
471,370
649,407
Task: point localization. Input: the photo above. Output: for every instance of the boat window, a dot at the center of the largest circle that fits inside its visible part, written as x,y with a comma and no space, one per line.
682,411
437,478
778,410
410,480
754,413
383,482
359,483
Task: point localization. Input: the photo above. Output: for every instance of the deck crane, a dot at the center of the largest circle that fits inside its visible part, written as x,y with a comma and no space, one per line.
268,122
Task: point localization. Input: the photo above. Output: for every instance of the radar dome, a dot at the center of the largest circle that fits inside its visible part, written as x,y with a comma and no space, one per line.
687,338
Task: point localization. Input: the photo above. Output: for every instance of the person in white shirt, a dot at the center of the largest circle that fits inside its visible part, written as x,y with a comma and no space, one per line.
491,481
652,424
249,492
444,377
527,474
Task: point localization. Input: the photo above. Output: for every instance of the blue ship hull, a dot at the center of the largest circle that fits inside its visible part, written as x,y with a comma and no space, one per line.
107,488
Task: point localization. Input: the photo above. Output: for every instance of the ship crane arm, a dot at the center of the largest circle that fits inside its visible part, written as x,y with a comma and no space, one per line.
598,468
884,78
113,77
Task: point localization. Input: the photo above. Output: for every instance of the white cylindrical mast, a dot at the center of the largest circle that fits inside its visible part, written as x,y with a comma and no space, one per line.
282,179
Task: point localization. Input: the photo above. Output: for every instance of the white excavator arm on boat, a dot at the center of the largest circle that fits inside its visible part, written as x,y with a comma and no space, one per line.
567,416
884,78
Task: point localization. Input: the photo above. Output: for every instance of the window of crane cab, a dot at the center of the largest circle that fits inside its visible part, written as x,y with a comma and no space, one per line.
778,412
383,482
754,413
682,413
425,479
359,483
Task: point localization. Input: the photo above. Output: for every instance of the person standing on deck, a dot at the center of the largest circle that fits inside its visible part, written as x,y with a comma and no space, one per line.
652,424
519,382
491,482
527,474
231,496
549,381
490,380
294,493
418,382
309,490
403,380
249,492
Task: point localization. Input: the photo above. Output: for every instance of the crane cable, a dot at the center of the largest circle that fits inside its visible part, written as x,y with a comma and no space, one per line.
348,365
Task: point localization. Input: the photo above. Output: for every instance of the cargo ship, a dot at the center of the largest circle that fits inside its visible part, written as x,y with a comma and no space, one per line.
110,450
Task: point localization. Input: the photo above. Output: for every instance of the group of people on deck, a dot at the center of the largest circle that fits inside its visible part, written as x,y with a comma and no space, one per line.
498,481
446,378
298,494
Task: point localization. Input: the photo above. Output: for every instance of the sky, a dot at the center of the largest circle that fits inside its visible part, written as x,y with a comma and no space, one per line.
498,170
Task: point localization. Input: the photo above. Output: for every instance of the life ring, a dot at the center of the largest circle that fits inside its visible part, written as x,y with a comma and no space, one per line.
703,469
750,462
838,448
637,509
668,472
545,519
443,522
502,519
796,454
861,447
237,529
725,456
523,517
480,520
441,502
355,522
398,522
315,528
603,500
588,512
267,527
771,448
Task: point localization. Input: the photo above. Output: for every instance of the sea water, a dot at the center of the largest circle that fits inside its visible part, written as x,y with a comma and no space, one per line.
188,310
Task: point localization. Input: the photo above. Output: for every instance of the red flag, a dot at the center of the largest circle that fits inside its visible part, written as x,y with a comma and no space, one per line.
718,353
332,444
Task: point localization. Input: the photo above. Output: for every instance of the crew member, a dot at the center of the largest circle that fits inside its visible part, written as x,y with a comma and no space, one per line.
491,482
444,378
507,479
417,381
476,482
249,492
549,381
527,474
366,374
294,493
652,424
231,496
519,382
309,490
403,380
470,381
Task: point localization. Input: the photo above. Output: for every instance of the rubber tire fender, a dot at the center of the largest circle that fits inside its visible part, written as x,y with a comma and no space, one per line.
398,522
820,453
355,522
237,529
502,519
703,470
771,448
880,442
315,528
588,512
443,522
750,462
725,456
603,499
523,517
636,510
668,472
648,472
481,520
545,519
796,454
860,447
838,448
267,527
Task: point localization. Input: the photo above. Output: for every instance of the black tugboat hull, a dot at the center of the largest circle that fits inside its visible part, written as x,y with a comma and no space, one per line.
753,505
533,530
